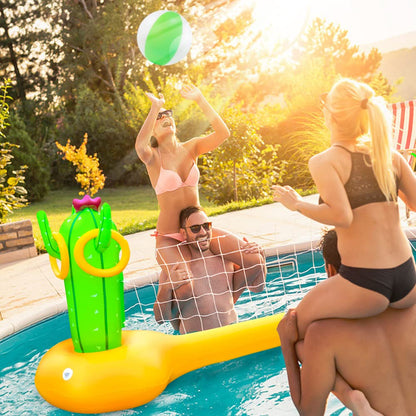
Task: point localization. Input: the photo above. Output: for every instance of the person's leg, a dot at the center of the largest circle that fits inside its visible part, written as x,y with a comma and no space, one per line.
253,265
169,252
354,400
172,259
338,298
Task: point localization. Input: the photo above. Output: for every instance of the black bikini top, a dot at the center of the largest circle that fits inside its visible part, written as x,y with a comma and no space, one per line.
362,187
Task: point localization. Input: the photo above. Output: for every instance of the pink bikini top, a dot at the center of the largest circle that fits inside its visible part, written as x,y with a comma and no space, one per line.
169,180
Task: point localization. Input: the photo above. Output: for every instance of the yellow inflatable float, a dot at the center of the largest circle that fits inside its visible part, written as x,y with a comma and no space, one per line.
103,368
140,369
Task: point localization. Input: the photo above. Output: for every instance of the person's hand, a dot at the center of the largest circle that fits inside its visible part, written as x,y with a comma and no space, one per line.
251,247
179,275
190,92
287,196
156,102
288,328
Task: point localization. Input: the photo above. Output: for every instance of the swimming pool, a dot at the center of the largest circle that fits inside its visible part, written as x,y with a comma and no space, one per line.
251,385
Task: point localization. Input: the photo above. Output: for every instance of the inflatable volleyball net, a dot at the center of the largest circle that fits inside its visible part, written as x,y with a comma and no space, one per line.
292,270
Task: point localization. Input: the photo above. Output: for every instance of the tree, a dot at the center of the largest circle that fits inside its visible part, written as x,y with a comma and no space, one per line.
243,167
28,47
29,154
330,43
11,190
323,55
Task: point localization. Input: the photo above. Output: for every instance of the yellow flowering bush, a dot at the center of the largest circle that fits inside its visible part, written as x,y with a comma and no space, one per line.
89,175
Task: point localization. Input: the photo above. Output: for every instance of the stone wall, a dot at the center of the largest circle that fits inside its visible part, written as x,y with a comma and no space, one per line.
16,241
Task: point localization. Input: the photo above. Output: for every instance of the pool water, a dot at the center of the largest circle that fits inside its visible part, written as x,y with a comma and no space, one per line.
251,385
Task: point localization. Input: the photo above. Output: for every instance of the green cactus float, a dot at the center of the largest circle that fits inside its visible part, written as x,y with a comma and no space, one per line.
88,247
123,369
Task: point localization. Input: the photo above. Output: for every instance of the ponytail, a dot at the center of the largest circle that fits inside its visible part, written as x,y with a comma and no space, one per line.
358,113
380,125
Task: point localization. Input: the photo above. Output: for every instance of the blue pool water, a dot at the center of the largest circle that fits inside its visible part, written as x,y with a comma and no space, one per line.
251,385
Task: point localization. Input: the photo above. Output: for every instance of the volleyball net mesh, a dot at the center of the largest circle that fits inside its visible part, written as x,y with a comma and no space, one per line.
292,270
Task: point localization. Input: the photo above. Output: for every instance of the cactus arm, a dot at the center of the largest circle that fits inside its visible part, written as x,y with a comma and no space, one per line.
51,245
106,224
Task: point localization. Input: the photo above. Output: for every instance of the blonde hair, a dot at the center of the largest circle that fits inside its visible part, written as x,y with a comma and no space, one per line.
358,113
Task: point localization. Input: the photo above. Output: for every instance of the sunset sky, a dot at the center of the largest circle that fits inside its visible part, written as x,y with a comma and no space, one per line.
366,20
369,20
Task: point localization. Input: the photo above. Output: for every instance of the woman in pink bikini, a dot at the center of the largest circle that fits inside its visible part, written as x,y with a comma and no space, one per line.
174,175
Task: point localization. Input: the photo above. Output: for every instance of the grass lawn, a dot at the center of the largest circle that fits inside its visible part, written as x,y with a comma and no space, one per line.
133,209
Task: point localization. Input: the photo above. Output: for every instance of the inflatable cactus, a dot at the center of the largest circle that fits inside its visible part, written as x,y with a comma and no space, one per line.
88,247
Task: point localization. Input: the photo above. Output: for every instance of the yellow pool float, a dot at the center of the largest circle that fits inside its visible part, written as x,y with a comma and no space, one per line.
147,361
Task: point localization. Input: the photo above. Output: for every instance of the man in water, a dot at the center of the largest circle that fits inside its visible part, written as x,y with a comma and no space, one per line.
202,296
369,363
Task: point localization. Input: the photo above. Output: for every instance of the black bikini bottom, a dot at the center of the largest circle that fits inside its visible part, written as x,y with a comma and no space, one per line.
393,283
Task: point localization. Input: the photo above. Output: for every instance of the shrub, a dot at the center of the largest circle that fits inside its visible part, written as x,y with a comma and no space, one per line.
11,191
88,175
243,167
29,154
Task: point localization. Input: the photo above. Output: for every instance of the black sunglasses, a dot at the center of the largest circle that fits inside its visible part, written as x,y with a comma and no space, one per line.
197,227
166,113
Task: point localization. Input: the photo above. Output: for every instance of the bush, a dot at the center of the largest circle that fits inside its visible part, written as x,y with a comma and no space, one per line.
308,138
243,167
37,174
109,135
11,191
88,172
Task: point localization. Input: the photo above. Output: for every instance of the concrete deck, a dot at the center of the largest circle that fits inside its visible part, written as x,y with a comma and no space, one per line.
30,292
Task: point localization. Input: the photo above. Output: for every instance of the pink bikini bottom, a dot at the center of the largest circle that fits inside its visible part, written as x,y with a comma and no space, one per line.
175,236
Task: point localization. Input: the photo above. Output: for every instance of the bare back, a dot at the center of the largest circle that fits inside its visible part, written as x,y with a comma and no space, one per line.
378,356
207,302
375,355
374,239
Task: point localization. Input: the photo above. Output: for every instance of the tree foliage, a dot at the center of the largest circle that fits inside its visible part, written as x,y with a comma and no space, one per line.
323,55
88,172
28,47
330,43
29,154
76,68
243,167
11,190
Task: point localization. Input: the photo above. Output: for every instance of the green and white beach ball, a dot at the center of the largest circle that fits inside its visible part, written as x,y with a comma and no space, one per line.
164,37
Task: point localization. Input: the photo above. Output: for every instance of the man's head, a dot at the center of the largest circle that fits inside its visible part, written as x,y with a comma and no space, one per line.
196,227
329,248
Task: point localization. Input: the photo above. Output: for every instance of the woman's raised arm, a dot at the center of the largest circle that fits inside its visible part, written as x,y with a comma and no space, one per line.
142,145
221,132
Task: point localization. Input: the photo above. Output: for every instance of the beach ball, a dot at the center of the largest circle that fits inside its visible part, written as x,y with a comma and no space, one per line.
164,37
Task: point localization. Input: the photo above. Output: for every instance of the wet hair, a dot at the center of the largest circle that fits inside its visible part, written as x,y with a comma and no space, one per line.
358,113
186,213
329,248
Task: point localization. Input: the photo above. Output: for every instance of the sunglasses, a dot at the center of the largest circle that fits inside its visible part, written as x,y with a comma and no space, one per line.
197,227
166,113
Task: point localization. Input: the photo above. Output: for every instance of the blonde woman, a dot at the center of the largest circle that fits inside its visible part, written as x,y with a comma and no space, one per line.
174,175
359,179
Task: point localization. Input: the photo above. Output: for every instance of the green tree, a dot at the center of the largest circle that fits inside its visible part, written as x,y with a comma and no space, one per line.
11,191
31,155
330,43
243,167
324,54
28,48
